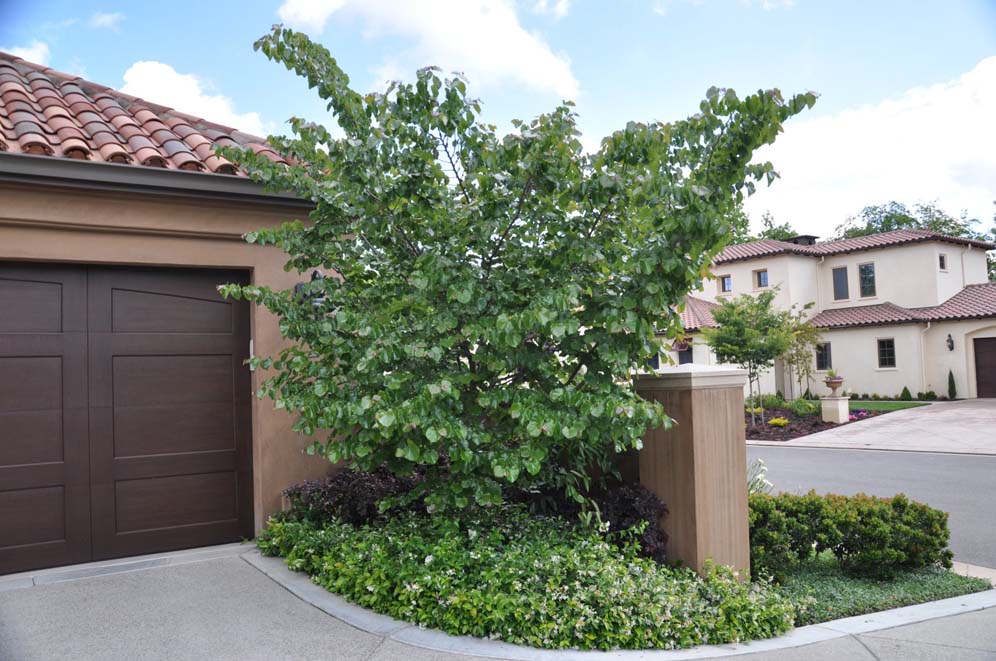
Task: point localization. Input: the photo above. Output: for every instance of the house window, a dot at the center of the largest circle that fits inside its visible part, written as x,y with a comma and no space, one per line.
942,261
840,292
761,278
866,279
685,355
655,362
886,353
823,361
725,284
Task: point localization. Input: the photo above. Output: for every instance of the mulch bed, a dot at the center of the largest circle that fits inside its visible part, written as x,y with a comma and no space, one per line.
799,425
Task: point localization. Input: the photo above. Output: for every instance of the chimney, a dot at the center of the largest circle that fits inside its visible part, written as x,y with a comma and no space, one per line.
803,240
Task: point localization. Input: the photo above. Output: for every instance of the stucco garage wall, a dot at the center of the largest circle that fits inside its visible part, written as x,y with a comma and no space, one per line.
960,361
68,225
854,353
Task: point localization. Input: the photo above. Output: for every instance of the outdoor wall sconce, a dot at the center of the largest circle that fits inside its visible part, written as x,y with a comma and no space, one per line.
316,299
950,342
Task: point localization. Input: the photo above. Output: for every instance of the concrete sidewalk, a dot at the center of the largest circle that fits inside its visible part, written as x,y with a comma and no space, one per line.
219,606
963,427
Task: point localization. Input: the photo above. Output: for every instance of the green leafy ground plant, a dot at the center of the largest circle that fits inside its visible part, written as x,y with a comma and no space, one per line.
823,591
503,574
489,297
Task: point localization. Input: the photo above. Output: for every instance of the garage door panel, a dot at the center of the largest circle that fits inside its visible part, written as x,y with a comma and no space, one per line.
153,430
985,366
171,380
131,468
167,449
33,516
30,437
30,306
180,500
44,466
30,383
153,312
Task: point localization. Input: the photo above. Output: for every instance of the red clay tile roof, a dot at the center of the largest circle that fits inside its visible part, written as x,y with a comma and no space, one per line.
972,302
698,314
864,315
767,247
50,113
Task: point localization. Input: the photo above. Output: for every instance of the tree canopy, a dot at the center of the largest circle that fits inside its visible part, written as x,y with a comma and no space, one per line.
489,298
895,216
750,334
739,223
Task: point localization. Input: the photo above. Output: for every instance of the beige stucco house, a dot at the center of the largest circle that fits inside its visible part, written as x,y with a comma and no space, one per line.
897,309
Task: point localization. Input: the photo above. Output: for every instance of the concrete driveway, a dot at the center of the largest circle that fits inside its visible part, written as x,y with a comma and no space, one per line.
965,427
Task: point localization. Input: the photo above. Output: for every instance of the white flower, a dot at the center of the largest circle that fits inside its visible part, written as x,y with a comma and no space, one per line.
370,588
429,558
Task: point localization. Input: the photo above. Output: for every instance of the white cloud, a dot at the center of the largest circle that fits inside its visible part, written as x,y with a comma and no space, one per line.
160,83
482,38
558,8
308,15
931,143
37,52
106,20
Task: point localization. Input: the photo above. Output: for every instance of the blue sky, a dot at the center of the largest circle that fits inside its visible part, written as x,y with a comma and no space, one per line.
908,96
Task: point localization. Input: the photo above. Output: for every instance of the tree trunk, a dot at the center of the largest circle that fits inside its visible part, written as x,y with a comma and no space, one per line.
750,387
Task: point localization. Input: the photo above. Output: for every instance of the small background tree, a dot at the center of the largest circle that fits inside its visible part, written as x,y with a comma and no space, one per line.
952,388
800,354
751,335
493,296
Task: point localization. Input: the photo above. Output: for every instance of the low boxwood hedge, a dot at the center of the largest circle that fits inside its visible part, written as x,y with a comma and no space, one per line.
869,536
505,574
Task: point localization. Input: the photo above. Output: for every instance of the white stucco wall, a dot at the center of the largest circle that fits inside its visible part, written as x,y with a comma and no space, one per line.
854,355
960,361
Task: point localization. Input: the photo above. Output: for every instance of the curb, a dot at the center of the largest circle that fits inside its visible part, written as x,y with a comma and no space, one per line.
867,448
301,586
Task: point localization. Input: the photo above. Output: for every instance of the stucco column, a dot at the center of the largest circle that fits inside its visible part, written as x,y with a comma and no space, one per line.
699,466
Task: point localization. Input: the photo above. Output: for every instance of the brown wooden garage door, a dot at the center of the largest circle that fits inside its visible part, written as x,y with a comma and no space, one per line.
985,366
124,413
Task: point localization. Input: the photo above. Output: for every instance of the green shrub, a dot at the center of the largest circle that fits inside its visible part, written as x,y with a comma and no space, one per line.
503,574
905,395
808,394
870,536
802,407
952,388
930,395
772,401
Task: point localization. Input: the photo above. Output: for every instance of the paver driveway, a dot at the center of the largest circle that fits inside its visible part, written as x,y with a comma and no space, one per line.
967,426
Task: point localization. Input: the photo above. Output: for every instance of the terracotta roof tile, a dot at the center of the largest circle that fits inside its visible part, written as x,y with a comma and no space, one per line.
864,315
698,314
43,111
972,302
767,247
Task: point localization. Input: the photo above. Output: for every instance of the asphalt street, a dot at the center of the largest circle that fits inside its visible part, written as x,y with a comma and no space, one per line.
962,485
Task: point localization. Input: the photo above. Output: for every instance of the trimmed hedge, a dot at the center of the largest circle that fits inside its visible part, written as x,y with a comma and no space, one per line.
869,536
504,574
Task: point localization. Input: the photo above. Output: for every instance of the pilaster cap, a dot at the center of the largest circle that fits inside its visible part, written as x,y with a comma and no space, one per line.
692,377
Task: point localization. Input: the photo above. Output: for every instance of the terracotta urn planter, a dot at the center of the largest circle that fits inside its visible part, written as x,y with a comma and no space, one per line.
833,383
